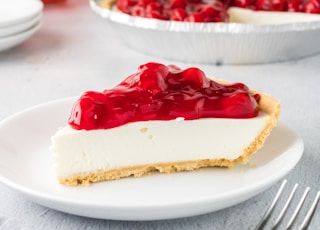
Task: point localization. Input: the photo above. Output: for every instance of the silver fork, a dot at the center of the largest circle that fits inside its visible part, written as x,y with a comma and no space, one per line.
307,219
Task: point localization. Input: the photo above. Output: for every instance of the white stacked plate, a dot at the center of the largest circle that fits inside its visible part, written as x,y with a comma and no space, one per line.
19,20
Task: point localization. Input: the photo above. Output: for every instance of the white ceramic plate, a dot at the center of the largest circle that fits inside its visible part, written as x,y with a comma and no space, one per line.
26,167
16,39
18,28
17,11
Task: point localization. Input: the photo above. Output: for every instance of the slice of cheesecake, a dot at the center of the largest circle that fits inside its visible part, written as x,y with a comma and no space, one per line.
161,119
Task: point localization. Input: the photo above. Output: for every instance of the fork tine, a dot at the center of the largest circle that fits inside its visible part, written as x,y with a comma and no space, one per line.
266,216
310,213
307,219
285,207
298,208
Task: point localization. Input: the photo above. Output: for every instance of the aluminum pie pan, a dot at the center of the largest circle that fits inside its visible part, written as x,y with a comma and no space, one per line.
214,43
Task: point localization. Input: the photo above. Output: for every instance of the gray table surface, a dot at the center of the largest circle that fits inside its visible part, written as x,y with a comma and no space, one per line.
75,51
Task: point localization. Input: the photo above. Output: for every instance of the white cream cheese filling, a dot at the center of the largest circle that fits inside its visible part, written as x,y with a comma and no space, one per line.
149,142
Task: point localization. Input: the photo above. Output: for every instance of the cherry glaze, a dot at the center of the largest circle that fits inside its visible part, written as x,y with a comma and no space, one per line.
209,10
160,92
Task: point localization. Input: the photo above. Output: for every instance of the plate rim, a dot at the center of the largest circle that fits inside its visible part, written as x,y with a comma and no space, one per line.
19,28
34,6
13,40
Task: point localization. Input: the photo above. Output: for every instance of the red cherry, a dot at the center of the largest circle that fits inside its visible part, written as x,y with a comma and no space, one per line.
138,10
242,3
183,105
195,17
129,81
195,78
173,69
263,5
154,7
236,86
177,4
277,5
155,15
215,13
243,101
312,7
222,16
294,6
151,78
145,2
178,15
257,97
125,5
89,111
209,13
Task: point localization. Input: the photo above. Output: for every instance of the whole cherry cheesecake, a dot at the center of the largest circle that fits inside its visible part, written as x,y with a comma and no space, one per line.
161,119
